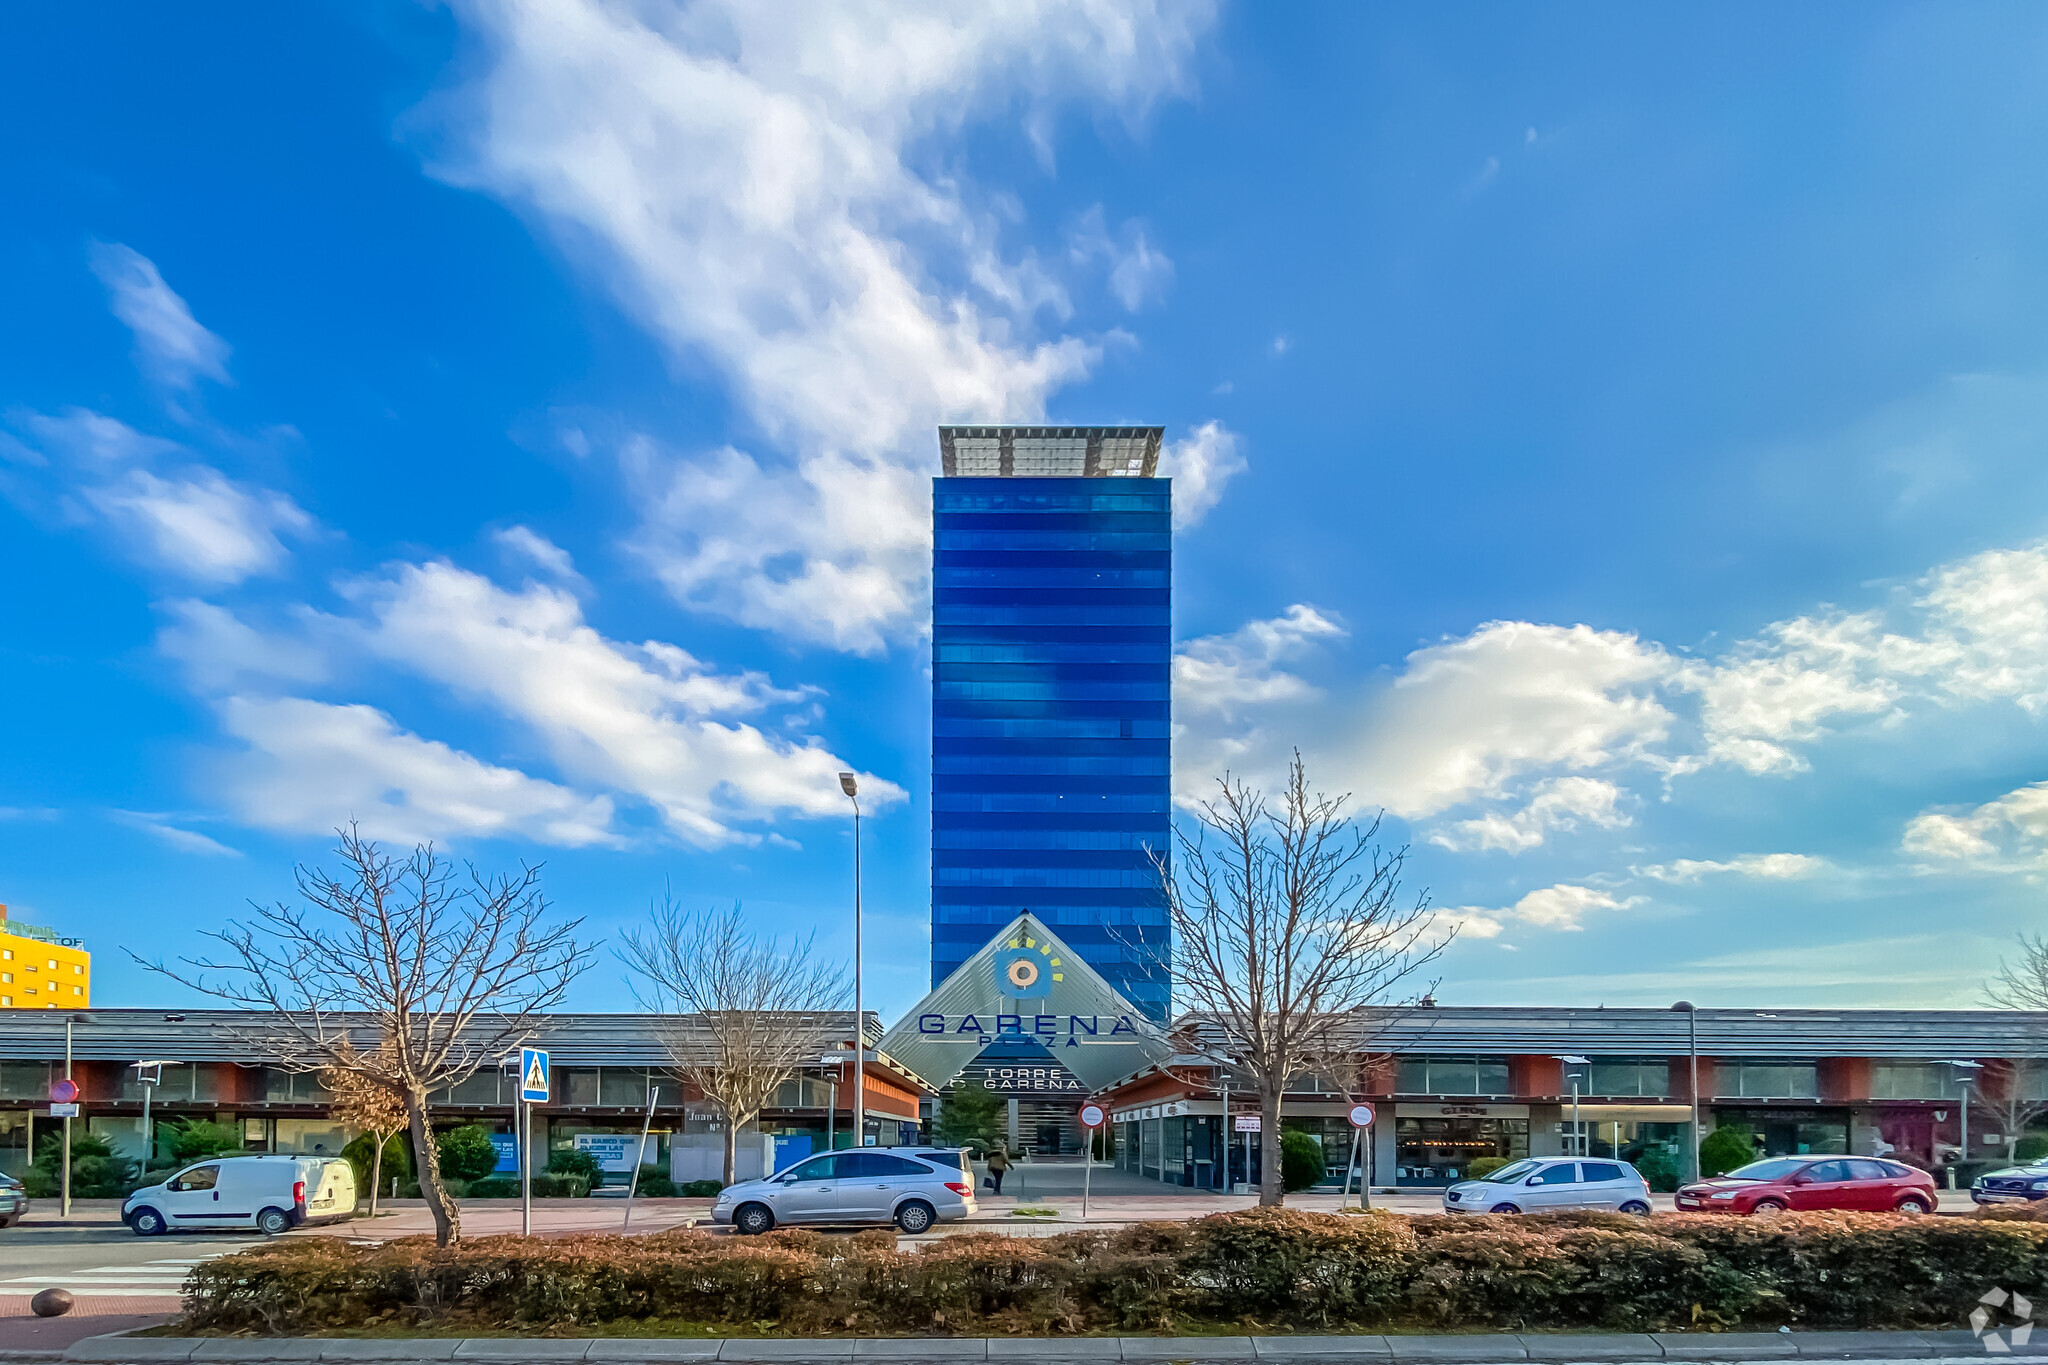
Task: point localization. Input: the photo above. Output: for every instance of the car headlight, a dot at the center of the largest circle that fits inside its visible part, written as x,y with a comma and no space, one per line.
1723,1194
2039,1186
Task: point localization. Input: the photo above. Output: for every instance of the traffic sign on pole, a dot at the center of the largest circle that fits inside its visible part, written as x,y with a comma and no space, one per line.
1091,1116
63,1111
1361,1116
63,1091
533,1075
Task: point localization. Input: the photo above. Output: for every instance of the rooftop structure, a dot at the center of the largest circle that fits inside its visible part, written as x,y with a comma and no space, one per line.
1049,452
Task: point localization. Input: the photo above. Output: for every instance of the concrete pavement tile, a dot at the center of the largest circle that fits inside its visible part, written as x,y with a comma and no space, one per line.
1479,1347
1864,1345
259,1348
1725,1346
920,1348
1574,1346
405,1349
652,1349
123,1350
1058,1349
1187,1348
787,1348
1301,1348
523,1348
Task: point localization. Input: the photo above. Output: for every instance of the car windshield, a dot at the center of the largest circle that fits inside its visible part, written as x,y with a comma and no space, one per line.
1776,1168
1510,1173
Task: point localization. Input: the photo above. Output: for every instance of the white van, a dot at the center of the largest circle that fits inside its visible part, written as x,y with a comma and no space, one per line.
268,1193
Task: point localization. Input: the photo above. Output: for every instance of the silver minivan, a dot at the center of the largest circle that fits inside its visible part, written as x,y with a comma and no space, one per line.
910,1187
1548,1184
270,1193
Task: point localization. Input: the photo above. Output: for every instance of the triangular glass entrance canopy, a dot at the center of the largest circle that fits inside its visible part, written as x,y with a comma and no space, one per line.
1028,987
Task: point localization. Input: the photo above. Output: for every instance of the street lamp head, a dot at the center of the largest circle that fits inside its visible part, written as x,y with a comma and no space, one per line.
1971,1066
1683,1007
1570,1060
848,785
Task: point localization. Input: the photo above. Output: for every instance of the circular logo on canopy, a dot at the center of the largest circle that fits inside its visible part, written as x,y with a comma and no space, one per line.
1361,1116
1021,973
1091,1116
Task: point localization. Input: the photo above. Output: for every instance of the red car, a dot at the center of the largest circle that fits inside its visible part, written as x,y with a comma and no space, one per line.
1779,1183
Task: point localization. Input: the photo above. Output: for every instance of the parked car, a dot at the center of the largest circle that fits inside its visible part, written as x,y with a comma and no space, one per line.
910,1187
2012,1184
13,1201
1778,1183
1546,1185
270,1193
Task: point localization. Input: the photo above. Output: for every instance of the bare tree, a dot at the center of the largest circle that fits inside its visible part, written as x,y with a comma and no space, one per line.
364,1105
740,1013
437,976
2020,984
1287,929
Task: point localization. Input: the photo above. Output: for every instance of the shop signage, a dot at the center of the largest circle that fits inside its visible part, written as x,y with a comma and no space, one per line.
1247,1123
1046,1079
614,1151
1061,1030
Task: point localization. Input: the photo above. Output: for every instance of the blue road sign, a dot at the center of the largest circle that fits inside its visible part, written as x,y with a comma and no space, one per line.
533,1075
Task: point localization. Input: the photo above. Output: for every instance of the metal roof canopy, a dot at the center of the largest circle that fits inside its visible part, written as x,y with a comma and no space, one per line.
975,991
1050,452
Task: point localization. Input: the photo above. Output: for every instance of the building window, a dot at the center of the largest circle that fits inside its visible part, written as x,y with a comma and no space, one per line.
1452,1076
7,977
6,999
53,964
78,990
1767,1080
1438,1151
78,969
1648,1076
1914,1081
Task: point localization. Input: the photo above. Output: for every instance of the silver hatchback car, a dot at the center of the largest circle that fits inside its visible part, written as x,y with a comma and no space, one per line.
912,1187
1548,1184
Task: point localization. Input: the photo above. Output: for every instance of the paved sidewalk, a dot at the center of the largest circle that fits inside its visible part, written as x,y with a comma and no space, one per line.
1703,1348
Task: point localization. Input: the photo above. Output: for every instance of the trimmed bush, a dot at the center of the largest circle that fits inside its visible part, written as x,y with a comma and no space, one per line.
576,1161
1301,1161
1283,1269
1729,1146
2032,1147
701,1189
1480,1167
467,1153
1659,1169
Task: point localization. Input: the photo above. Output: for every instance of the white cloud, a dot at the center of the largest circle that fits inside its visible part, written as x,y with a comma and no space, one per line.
311,767
1138,274
1560,803
221,653
767,189
1764,866
169,342
1469,716
1200,464
199,524
1222,673
1562,907
2010,832
176,515
531,547
184,840
649,720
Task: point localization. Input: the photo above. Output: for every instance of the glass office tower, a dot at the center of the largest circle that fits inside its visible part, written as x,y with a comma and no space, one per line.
1051,695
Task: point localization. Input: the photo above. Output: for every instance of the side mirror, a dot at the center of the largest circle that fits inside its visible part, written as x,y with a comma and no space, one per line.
1802,1179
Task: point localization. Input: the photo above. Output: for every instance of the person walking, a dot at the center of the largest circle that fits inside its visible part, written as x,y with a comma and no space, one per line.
998,1162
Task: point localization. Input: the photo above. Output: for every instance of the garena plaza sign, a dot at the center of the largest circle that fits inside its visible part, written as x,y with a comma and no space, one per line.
1054,1030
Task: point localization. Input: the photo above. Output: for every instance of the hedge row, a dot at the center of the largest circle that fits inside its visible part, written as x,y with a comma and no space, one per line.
1272,1269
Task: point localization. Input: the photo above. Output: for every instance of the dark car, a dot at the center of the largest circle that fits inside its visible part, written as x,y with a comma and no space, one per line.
1805,1183
2012,1185
13,1201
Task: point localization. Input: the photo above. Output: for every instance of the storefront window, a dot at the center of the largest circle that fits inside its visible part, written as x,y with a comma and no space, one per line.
1649,1076
622,1087
1914,1081
1438,1151
1767,1080
1790,1132
24,1080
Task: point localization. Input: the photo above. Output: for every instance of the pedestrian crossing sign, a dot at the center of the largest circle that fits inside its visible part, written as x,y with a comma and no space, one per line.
533,1075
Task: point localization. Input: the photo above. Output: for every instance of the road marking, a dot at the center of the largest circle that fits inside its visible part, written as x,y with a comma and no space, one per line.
151,1279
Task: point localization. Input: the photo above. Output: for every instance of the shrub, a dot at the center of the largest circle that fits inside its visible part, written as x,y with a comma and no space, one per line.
197,1139
1659,1169
467,1153
2032,1147
1727,1147
971,1116
545,1186
1285,1269
655,1184
397,1159
701,1189
576,1161
96,1173
1301,1161
1481,1167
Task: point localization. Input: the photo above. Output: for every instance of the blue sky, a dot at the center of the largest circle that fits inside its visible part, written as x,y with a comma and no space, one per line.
1609,440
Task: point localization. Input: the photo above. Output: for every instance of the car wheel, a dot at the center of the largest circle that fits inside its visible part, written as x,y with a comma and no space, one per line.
272,1222
751,1220
1765,1208
1636,1207
1506,1208
147,1222
1913,1203
916,1217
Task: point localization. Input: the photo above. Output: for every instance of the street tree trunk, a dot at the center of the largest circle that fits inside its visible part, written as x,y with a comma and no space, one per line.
1271,1191
377,1169
732,1149
447,1216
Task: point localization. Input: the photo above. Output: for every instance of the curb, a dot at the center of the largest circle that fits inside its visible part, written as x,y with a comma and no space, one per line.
1620,1348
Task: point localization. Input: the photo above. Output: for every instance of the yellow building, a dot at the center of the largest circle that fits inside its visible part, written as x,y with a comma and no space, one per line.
41,971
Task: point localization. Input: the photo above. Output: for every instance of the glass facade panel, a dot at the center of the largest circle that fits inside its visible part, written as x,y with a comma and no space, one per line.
1914,1081
1051,715
1768,1080
1649,1076
1452,1076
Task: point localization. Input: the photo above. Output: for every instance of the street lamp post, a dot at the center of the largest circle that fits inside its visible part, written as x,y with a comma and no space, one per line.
1964,1081
1692,1048
1578,1130
149,1075
860,1042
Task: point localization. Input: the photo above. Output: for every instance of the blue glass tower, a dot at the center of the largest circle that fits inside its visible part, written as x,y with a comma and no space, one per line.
1051,695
